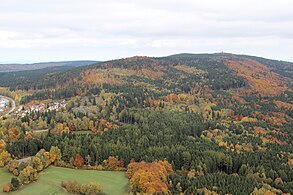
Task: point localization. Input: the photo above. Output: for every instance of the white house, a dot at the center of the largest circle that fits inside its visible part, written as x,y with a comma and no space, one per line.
2,104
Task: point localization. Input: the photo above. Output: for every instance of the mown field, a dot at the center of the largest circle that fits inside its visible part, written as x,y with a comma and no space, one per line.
113,183
5,177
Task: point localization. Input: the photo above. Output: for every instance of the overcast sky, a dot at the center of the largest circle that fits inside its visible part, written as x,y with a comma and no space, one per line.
51,30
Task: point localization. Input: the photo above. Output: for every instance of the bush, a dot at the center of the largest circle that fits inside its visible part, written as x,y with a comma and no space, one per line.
90,189
78,160
84,189
36,163
28,175
5,157
12,167
7,187
22,165
15,183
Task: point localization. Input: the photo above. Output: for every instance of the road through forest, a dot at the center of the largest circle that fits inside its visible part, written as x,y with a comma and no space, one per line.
12,103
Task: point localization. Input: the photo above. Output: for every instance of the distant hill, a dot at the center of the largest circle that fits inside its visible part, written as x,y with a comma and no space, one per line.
27,77
180,73
35,66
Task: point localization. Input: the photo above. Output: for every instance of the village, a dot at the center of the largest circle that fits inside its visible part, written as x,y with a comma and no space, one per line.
22,111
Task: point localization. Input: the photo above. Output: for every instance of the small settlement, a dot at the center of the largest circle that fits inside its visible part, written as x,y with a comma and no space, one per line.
22,111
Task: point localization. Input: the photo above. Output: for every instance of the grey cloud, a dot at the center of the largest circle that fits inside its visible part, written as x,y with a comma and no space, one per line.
100,29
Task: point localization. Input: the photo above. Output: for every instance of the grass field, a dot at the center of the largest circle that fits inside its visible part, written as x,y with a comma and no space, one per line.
113,183
5,177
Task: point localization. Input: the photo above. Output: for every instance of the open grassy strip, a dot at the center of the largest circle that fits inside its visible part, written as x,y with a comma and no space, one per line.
49,181
82,132
5,177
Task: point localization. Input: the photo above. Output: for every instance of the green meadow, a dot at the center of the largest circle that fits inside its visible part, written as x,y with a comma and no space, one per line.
49,182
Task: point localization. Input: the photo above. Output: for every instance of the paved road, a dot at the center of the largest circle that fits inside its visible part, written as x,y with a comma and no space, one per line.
12,108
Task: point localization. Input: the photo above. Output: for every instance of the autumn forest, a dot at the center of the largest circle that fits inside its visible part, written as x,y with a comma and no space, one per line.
182,124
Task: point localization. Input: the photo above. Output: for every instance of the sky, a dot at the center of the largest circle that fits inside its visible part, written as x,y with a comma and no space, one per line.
58,30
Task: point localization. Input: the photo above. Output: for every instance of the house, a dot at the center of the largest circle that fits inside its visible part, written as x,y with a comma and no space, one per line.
2,104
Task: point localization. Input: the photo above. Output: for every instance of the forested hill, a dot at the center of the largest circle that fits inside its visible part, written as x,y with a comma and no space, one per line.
41,65
182,73
224,122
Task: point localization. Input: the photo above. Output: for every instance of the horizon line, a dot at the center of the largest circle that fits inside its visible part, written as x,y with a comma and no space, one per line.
24,62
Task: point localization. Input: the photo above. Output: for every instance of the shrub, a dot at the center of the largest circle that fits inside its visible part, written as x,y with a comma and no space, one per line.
22,165
5,157
90,189
112,163
15,183
12,167
55,154
84,189
44,156
78,160
28,175
36,163
7,187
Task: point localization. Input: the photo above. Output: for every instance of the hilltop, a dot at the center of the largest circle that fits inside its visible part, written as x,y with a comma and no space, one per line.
181,73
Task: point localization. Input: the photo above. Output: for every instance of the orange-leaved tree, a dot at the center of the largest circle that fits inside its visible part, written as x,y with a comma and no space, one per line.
78,160
150,178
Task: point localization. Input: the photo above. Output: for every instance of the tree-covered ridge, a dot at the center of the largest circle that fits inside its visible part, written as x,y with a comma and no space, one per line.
223,122
259,77
42,65
179,73
281,67
25,78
